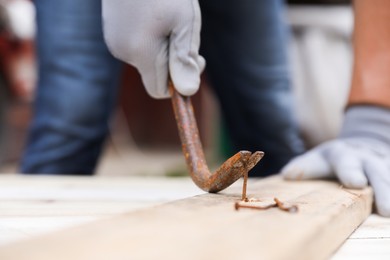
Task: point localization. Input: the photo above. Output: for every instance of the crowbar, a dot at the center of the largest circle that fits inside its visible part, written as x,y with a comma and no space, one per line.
230,171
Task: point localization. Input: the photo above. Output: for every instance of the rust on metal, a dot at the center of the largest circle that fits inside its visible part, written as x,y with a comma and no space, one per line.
248,203
281,206
230,171
276,204
239,205
244,185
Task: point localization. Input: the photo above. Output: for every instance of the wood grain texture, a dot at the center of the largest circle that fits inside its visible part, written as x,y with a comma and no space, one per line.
207,227
35,205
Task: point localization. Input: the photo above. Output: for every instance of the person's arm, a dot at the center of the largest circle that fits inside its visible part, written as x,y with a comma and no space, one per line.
371,71
361,153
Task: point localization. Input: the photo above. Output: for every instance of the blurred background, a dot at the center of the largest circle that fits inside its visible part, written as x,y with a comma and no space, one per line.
320,57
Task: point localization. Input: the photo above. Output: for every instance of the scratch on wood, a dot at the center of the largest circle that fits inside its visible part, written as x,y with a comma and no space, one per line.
350,192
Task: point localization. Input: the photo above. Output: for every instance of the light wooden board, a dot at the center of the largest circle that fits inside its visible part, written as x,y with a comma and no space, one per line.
207,227
35,205
370,241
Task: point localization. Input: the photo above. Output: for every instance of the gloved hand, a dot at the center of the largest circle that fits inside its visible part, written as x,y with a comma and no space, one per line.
157,36
360,156
18,18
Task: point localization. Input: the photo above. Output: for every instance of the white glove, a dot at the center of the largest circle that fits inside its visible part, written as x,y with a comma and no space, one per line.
154,35
361,155
19,18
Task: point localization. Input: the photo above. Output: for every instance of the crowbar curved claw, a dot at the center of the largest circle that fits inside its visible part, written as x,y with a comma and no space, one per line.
229,172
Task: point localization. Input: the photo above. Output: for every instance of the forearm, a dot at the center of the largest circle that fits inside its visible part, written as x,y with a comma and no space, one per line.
371,72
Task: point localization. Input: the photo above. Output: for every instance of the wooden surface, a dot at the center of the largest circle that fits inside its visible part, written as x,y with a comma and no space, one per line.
201,227
370,241
34,205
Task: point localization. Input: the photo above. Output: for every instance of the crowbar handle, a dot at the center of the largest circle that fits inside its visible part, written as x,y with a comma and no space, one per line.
230,171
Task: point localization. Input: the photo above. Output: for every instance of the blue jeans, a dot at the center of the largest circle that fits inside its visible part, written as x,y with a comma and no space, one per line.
76,91
242,41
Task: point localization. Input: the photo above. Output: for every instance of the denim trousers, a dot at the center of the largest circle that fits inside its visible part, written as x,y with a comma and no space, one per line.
244,43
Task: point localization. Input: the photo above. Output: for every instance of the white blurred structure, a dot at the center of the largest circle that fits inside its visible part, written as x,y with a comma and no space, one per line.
321,59
19,18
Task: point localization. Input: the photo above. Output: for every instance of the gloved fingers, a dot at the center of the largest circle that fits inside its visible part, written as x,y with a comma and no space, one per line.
378,173
347,166
311,165
135,43
185,63
154,70
142,33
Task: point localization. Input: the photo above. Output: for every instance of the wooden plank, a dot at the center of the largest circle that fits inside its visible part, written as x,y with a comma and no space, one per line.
375,227
370,241
86,196
363,249
207,227
35,205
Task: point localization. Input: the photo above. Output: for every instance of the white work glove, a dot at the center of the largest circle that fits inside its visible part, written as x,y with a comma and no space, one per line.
18,17
360,156
157,37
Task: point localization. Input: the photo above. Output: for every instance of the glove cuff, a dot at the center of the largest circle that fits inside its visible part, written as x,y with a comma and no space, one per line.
367,121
